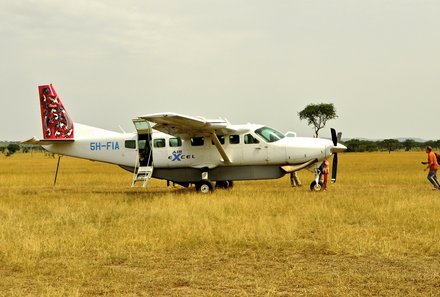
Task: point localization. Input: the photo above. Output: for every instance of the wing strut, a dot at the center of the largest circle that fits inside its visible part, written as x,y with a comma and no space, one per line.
219,147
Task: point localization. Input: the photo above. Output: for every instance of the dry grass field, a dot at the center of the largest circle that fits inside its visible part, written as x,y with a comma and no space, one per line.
374,233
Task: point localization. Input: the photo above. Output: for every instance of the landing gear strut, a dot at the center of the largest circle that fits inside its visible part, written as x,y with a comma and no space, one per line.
317,185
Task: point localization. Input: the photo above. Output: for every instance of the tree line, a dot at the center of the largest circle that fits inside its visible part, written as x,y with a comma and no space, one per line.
358,145
10,148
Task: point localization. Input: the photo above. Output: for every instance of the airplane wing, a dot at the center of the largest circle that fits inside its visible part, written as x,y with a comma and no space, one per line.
186,126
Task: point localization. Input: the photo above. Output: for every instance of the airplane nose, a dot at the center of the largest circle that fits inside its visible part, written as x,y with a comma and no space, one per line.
328,150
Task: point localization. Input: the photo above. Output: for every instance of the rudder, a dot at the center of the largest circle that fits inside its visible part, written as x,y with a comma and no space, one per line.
56,122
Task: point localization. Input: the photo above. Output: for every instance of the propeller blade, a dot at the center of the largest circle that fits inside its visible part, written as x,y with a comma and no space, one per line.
334,137
334,167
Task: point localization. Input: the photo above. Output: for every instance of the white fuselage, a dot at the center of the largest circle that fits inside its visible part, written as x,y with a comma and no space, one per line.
181,148
122,149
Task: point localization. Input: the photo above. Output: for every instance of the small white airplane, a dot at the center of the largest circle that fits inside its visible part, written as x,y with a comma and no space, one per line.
186,150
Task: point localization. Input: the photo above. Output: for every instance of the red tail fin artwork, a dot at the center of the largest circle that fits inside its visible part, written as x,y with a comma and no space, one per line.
54,117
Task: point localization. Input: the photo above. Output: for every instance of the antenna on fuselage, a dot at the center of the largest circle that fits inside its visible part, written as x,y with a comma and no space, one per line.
122,129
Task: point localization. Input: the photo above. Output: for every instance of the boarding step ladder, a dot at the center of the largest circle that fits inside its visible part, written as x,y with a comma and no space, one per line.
143,174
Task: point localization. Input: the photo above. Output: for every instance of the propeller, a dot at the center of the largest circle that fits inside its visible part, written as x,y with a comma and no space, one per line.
334,136
334,167
335,139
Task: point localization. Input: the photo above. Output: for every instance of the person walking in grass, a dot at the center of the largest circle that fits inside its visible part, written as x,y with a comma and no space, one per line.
432,166
294,180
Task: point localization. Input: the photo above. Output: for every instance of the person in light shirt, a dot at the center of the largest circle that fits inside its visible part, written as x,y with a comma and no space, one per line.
294,180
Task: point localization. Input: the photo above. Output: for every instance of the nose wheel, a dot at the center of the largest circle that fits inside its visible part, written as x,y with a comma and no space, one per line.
316,186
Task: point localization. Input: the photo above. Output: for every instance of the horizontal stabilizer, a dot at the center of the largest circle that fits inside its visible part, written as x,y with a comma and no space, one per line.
36,141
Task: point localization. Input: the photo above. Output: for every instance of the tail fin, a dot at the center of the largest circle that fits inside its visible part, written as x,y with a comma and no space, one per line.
56,122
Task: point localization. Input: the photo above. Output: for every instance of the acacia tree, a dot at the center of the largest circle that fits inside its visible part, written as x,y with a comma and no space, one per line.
409,144
390,144
12,148
318,115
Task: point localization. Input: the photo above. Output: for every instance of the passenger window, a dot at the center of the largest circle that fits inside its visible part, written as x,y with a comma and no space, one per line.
234,139
131,144
197,141
221,138
175,142
248,138
159,142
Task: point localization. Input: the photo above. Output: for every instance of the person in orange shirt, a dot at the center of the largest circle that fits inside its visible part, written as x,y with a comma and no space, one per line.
432,166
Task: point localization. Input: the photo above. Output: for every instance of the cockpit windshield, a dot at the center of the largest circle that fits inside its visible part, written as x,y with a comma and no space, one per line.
269,134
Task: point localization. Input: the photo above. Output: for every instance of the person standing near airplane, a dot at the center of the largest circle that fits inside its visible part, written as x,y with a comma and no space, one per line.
432,166
294,180
325,171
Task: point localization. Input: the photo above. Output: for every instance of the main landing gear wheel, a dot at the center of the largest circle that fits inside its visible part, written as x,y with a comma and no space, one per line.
314,186
226,184
204,187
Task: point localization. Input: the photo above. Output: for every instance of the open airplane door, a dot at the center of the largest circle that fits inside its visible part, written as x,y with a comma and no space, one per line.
144,167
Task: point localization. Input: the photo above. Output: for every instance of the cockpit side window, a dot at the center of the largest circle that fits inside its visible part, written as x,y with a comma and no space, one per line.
269,134
248,139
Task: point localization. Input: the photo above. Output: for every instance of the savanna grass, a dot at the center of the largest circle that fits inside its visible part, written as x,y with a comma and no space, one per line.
373,233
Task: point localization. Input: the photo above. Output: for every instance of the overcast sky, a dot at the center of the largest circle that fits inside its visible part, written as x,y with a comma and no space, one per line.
254,61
